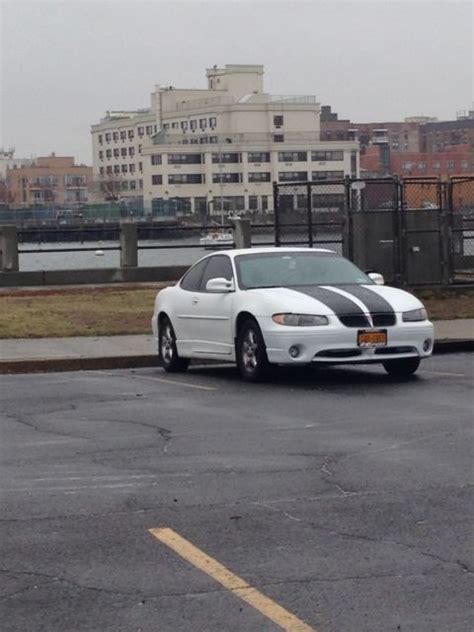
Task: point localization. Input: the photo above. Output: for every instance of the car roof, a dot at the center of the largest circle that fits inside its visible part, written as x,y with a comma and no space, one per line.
265,250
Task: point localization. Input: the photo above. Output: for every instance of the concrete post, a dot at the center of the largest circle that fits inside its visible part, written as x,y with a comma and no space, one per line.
242,233
8,248
128,245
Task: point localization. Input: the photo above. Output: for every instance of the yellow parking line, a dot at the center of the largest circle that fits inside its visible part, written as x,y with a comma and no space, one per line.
234,583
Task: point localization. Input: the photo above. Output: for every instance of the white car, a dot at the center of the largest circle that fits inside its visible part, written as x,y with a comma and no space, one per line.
292,306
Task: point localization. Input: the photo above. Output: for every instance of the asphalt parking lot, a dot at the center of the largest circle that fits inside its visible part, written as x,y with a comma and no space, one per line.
330,500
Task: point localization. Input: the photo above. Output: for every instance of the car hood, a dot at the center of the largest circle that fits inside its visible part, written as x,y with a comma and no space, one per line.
336,299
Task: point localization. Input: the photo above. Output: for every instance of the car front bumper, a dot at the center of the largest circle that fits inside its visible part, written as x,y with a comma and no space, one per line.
336,344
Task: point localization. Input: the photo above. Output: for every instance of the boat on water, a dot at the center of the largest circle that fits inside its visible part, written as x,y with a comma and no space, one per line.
217,239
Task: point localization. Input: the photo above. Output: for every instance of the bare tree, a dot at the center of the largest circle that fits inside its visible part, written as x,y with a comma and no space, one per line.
108,187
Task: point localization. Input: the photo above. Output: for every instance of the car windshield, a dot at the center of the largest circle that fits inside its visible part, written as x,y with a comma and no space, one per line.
278,269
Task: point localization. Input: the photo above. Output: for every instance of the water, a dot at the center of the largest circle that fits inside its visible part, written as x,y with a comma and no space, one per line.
111,258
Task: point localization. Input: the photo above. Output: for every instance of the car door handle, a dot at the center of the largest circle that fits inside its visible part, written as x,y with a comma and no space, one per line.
195,300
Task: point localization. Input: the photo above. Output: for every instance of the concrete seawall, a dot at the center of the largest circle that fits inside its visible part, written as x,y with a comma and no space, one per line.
91,276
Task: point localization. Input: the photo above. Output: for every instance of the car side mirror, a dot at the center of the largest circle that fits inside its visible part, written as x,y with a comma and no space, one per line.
376,277
220,284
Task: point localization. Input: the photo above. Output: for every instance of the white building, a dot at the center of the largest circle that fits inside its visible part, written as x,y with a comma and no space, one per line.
221,147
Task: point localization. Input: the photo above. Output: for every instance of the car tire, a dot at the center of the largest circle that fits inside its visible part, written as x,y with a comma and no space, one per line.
168,351
402,368
251,352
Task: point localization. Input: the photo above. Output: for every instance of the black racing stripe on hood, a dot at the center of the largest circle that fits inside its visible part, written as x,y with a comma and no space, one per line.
375,303
340,305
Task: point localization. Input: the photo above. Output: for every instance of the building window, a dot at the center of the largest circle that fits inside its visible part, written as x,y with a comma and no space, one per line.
278,120
184,125
108,153
131,135
226,177
322,156
260,176
115,136
253,202
185,159
107,137
156,159
422,166
464,165
100,139
116,153
258,156
124,168
109,169
157,179
213,140
123,151
193,125
229,203
133,184
101,155
116,168
278,138
101,171
212,122
131,168
293,176
326,175
131,151
140,184
140,167
450,165
123,135
226,158
139,149
292,156
174,125
140,131
185,178
125,185
203,123
166,126
149,129
435,166
264,202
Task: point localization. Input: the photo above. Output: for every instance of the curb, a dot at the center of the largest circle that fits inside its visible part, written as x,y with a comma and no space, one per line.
77,364
144,361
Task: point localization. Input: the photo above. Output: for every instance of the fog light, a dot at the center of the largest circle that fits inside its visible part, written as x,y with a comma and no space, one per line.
427,344
294,351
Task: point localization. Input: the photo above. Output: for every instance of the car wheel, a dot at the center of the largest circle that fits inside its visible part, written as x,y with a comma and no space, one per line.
168,351
403,367
251,352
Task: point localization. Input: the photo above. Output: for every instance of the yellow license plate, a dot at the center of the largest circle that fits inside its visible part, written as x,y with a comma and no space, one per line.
372,338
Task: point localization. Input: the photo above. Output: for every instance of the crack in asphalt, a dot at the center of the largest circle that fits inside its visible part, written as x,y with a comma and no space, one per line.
20,419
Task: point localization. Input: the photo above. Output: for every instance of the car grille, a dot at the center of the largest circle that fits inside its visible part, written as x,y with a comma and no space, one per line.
361,320
384,320
354,320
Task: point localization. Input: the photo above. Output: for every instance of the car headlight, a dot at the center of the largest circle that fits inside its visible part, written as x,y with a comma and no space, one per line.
414,315
300,320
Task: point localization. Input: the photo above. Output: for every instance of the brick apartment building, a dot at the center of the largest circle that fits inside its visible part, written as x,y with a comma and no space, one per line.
50,181
455,160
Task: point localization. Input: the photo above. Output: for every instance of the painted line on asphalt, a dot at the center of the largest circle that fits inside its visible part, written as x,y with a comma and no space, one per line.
176,383
164,380
444,373
235,584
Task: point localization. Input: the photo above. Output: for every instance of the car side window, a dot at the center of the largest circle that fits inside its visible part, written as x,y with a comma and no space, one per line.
192,279
219,267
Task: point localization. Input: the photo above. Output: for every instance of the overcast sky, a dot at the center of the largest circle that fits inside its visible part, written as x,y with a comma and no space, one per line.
65,62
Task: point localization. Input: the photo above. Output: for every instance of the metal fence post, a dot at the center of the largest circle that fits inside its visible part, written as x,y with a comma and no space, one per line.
8,248
128,245
276,214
